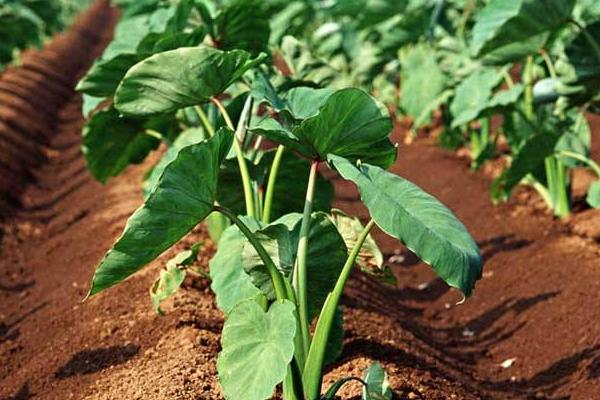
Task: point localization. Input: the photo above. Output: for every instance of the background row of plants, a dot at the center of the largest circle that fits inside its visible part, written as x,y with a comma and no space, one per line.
253,98
27,23
501,80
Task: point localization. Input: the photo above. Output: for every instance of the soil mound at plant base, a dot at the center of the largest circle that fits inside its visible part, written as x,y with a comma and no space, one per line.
529,330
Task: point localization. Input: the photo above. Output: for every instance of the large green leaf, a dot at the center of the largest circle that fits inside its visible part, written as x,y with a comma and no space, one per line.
422,83
179,78
104,76
326,256
473,94
135,39
419,220
298,103
257,349
230,282
350,124
280,243
185,138
183,196
508,30
111,143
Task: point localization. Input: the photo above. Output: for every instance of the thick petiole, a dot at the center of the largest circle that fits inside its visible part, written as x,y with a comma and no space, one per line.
266,217
316,354
299,278
239,153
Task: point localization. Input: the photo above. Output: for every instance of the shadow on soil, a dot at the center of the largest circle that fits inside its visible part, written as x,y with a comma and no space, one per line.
501,244
16,288
10,331
90,361
464,344
552,378
23,394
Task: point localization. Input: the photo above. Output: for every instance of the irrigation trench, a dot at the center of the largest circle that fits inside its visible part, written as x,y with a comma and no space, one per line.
535,311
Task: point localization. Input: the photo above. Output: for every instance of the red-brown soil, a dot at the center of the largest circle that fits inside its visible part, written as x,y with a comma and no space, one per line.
538,302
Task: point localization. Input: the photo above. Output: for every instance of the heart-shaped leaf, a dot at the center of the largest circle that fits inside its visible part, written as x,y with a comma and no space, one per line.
257,349
179,78
419,220
183,196
509,30
111,143
349,124
298,103
126,50
103,78
230,282
185,138
327,253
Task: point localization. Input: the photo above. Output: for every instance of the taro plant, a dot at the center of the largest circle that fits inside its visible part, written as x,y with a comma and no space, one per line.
244,153
276,274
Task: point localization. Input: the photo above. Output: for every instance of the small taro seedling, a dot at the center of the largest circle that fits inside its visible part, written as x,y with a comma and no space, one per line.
274,279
